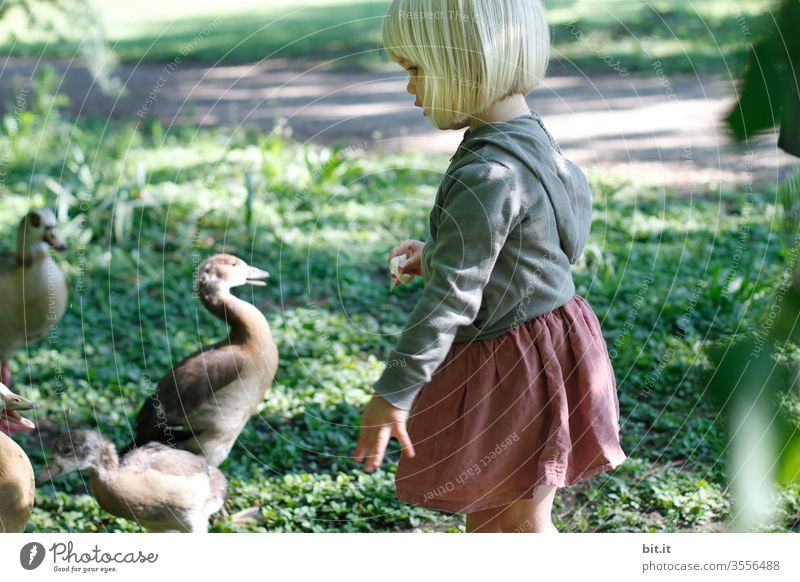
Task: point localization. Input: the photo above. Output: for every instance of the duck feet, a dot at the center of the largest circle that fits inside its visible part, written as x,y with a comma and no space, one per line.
251,514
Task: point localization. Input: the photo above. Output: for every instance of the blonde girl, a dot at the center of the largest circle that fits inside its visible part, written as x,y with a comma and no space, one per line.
500,388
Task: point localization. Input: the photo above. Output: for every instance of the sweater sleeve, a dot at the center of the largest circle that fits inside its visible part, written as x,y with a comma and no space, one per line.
425,258
477,213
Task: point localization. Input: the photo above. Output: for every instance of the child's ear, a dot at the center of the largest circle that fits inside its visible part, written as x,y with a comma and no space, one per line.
35,219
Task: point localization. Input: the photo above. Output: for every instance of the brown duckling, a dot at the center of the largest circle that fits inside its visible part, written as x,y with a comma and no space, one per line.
204,402
161,488
33,290
17,487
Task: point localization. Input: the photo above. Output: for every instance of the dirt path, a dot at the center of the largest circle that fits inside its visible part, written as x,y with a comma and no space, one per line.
656,130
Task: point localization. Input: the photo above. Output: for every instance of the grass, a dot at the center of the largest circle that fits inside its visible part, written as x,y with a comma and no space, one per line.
145,205
591,35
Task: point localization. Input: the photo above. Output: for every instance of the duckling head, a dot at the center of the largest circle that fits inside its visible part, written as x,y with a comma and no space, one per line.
39,228
11,404
78,450
220,273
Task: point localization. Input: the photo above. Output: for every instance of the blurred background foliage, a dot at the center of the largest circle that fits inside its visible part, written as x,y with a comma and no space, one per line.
755,381
66,29
770,94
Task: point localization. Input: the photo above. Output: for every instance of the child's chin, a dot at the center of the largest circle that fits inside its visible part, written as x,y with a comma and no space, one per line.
458,125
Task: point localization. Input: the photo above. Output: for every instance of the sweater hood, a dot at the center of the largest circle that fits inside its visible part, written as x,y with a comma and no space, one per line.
564,183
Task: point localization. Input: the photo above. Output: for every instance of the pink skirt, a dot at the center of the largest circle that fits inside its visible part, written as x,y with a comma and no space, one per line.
535,406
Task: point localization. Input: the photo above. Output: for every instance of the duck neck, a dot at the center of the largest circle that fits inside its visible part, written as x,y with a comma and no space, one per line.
244,319
106,461
29,253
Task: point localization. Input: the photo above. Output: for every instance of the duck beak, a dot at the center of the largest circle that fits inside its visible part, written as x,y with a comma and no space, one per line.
51,470
23,404
13,417
11,403
56,242
254,276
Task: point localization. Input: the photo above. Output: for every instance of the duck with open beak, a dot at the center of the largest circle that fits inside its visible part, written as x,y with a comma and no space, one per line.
204,402
10,405
255,276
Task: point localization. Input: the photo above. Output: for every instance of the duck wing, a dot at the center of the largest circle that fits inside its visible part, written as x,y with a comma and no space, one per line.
170,462
165,460
155,478
166,415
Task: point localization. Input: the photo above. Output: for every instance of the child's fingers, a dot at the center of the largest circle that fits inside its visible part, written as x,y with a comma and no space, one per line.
413,262
410,270
361,446
397,251
377,448
407,247
402,436
407,265
366,436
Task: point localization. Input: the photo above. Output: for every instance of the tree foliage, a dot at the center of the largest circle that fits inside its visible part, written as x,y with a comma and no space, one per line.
770,95
61,18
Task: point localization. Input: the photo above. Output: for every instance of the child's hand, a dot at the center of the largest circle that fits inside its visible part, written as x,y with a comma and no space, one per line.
381,421
397,277
413,250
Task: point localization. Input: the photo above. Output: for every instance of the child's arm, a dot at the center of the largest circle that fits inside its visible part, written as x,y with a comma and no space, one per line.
478,212
425,260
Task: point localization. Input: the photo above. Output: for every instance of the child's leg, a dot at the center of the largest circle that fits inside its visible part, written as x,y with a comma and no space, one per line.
530,515
485,521
525,515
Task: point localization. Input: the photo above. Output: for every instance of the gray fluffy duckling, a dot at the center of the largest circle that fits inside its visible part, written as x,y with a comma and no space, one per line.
161,488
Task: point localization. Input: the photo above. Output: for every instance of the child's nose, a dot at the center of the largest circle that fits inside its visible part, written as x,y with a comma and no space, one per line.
411,87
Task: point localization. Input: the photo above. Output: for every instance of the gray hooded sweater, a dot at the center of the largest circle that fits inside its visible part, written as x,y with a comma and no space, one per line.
511,215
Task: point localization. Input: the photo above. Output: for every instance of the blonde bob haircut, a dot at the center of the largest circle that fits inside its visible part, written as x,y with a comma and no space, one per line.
472,52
